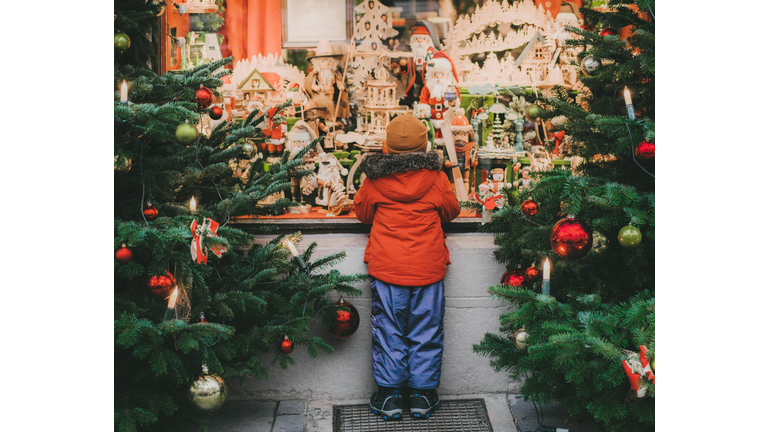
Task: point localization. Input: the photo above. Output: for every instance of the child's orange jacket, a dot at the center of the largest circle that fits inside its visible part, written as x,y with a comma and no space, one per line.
406,197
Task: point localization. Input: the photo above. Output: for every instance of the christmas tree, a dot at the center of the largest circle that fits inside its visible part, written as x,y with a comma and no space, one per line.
372,25
569,337
190,290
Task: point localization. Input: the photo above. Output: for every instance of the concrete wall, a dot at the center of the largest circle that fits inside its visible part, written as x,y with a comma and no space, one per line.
346,373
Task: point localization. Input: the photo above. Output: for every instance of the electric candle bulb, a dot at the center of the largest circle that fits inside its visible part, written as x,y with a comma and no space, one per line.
124,92
192,205
289,244
627,97
172,300
546,269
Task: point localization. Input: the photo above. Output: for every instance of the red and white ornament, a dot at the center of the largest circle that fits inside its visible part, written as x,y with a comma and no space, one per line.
571,238
208,228
124,255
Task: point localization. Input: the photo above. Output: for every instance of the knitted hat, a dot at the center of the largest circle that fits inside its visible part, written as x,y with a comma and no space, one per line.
406,133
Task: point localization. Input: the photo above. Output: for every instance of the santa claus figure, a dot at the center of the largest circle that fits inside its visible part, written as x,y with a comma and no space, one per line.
423,43
274,127
301,135
440,90
325,83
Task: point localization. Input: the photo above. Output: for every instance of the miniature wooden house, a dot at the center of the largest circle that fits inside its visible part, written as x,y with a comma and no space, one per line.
253,83
535,58
381,102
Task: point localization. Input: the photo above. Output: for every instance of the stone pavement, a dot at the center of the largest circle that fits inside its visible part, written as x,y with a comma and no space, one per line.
317,415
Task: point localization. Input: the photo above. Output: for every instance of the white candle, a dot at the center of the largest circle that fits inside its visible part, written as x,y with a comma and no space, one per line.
172,300
546,269
124,92
192,205
289,244
627,97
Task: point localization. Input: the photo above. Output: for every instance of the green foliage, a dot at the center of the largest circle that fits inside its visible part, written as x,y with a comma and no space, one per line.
251,297
602,305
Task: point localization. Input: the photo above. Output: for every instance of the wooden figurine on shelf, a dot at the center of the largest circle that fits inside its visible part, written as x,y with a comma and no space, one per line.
300,136
440,89
540,160
464,142
498,182
274,127
325,84
489,200
524,183
332,192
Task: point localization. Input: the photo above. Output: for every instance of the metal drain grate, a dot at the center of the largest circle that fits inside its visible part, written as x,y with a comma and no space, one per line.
467,415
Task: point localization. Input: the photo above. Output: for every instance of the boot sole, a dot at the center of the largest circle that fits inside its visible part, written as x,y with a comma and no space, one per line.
387,415
424,413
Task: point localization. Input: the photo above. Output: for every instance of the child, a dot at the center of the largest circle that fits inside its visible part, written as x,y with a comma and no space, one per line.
406,196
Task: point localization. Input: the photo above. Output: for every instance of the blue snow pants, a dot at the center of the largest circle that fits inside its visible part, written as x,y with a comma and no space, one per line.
407,327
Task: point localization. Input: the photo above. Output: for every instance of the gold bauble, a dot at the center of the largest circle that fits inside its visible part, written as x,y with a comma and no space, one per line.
208,393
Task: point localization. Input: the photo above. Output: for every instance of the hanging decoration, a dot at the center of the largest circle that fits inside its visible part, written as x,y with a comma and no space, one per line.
630,236
520,339
516,277
529,207
208,228
590,65
124,255
203,97
286,346
122,42
345,322
533,113
186,133
608,31
161,285
216,112
532,274
571,238
150,212
209,392
599,242
645,152
636,366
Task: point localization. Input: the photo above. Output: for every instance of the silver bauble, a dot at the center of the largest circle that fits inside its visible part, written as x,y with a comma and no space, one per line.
520,339
208,393
590,65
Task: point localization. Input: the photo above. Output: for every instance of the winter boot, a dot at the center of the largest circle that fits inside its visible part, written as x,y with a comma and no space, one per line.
388,403
423,402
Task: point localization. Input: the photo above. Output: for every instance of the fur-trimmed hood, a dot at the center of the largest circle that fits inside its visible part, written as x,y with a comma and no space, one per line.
377,165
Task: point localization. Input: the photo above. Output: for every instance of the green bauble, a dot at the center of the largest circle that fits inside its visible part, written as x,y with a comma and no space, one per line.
630,236
533,113
186,133
122,42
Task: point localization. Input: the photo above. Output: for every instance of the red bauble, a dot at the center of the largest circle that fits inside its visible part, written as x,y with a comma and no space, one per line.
216,113
571,238
529,207
645,152
346,321
286,346
124,255
161,285
515,277
608,31
532,274
203,97
150,212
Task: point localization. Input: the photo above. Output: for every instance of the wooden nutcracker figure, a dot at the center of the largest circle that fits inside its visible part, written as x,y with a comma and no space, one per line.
464,141
524,183
332,191
440,90
424,43
325,83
